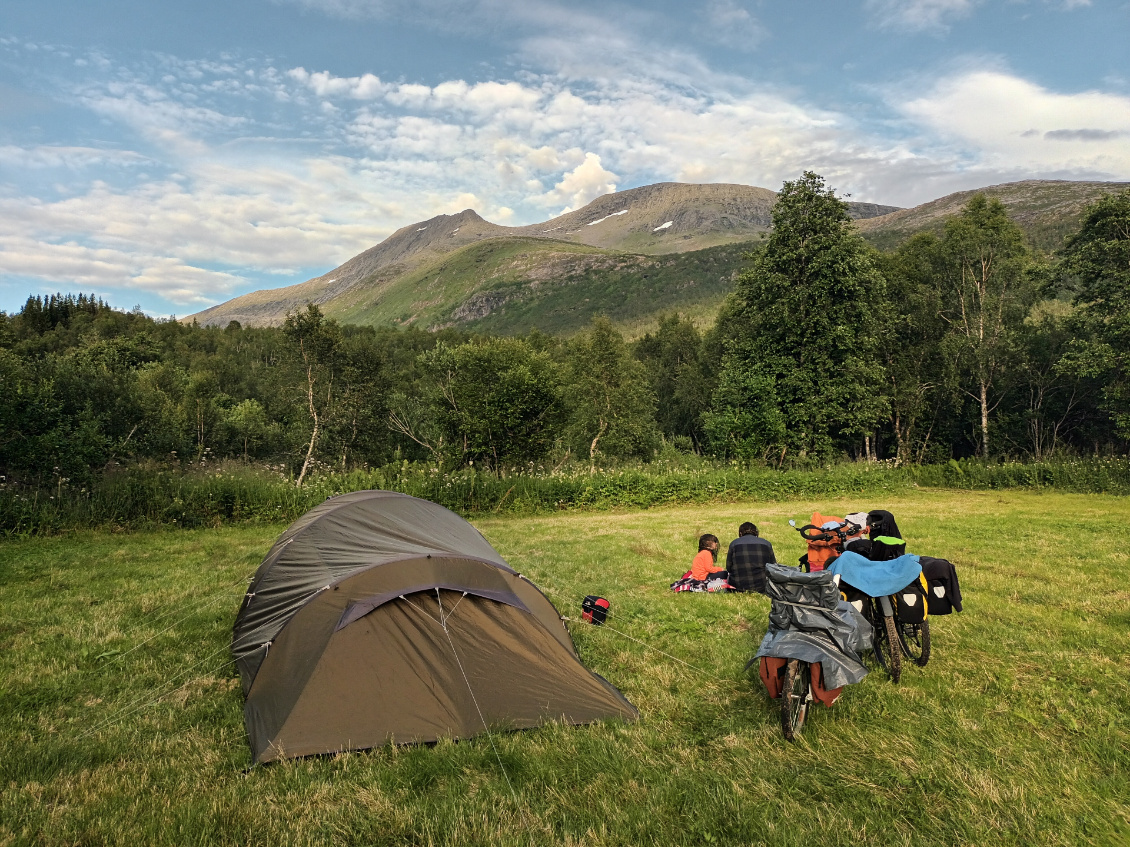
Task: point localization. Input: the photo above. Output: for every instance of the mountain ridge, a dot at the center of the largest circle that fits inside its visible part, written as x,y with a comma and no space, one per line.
462,270
666,217
1047,210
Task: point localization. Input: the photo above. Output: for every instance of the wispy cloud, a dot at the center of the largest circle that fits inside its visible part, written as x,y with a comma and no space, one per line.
1084,134
59,156
918,15
731,24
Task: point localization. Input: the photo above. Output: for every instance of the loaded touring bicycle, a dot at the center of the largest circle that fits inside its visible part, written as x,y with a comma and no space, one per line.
813,644
878,579
851,594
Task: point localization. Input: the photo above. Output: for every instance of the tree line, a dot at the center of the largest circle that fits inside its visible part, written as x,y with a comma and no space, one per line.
963,343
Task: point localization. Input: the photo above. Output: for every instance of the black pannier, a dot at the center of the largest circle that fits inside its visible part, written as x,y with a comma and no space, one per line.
858,599
910,603
886,540
943,592
885,548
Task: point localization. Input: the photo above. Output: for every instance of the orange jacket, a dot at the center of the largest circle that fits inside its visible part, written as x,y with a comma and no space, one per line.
819,552
703,565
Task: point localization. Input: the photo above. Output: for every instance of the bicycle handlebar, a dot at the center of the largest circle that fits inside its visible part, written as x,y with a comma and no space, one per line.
812,532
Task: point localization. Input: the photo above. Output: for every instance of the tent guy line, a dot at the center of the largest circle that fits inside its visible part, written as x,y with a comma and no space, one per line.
211,601
145,701
422,612
202,602
443,623
702,671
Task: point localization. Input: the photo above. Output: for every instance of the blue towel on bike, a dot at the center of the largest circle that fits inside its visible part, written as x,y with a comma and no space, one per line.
876,578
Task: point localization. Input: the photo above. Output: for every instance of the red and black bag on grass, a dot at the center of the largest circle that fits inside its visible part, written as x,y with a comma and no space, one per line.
594,609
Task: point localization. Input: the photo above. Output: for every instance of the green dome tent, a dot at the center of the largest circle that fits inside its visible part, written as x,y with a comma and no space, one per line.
381,618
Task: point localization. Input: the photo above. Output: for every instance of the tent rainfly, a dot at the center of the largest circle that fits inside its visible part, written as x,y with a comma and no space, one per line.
380,618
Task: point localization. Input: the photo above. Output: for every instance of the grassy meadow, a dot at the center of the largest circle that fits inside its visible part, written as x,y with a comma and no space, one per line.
1017,732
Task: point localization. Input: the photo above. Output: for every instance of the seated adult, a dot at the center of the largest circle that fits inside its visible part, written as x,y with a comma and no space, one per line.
746,559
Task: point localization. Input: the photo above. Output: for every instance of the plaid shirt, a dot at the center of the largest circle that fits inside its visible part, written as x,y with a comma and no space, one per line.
746,560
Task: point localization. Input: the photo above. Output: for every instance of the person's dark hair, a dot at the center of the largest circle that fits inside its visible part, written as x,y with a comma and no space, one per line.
704,541
747,529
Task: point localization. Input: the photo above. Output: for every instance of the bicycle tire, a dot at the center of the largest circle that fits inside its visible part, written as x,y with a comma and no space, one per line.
794,698
914,639
890,638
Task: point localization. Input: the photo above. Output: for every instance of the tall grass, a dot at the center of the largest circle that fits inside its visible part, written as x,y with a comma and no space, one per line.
138,497
1100,475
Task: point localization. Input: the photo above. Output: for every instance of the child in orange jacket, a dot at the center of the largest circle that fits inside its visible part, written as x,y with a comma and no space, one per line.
703,567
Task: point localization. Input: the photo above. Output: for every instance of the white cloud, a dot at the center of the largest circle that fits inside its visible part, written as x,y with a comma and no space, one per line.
1009,122
918,15
365,87
582,185
74,264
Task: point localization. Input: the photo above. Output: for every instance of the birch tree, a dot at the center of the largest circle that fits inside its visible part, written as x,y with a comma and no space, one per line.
611,403
987,294
317,341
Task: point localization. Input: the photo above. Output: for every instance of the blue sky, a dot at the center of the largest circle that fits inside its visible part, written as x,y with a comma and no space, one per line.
175,155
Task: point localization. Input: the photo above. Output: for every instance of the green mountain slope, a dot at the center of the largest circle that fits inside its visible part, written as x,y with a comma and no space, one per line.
513,285
1047,210
431,295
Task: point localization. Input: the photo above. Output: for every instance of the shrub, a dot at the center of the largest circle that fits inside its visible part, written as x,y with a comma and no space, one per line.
233,493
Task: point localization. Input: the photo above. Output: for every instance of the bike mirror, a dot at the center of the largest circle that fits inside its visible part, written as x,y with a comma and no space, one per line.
792,523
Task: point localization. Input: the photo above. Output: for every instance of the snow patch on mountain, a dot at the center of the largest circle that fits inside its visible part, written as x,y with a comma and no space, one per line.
606,217
663,226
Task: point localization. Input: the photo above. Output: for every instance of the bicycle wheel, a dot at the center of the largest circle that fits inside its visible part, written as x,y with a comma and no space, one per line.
914,638
887,646
794,698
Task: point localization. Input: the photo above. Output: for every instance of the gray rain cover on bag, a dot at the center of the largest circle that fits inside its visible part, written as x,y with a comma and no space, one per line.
811,622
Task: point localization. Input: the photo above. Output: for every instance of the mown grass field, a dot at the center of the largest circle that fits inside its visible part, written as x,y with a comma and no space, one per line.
1017,732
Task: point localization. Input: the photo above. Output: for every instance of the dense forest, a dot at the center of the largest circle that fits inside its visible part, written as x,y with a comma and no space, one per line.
967,343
